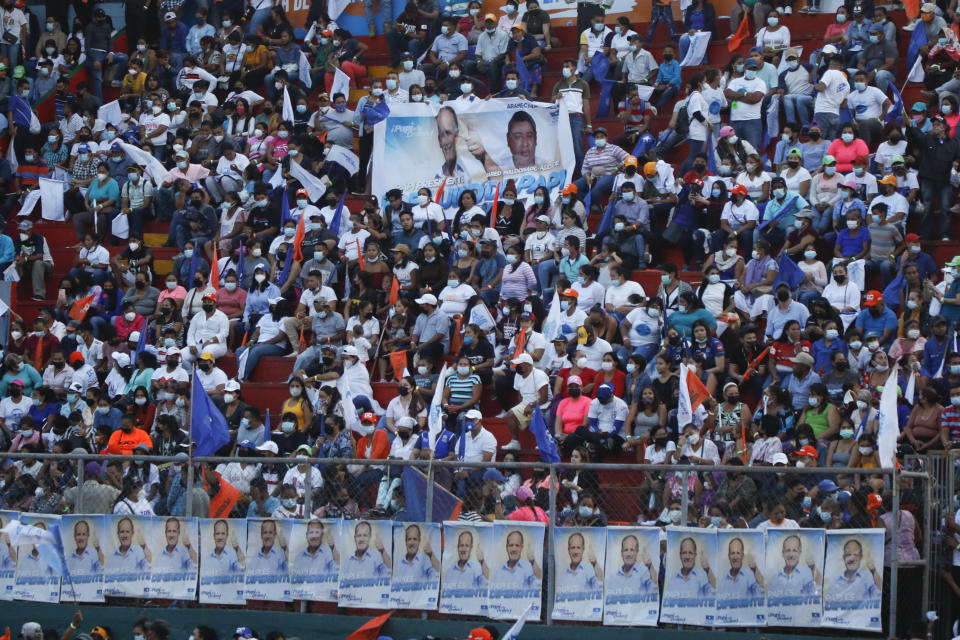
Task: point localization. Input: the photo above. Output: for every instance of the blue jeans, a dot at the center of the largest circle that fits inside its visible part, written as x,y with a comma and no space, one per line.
883,78
259,17
668,94
751,131
99,275
602,187
932,192
386,11
576,131
830,123
886,269
798,108
648,351
12,52
257,351
641,245
660,13
546,272
95,56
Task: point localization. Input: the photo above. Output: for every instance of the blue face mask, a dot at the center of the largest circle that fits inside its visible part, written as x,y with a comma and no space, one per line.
582,281
467,339
806,502
564,305
618,227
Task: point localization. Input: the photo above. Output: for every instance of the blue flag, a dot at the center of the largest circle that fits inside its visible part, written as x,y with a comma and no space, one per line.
374,114
789,273
193,265
787,208
522,71
266,427
284,208
545,442
601,65
606,222
711,158
335,223
142,342
208,426
897,107
240,261
286,265
917,39
586,201
891,294
52,554
462,440
446,506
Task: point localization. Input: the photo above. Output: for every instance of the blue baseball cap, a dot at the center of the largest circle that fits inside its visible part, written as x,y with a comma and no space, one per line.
493,474
827,485
248,444
604,391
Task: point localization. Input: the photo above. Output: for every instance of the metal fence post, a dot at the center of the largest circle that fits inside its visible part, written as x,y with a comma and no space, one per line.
927,533
895,550
81,472
308,491
551,561
685,500
428,512
188,503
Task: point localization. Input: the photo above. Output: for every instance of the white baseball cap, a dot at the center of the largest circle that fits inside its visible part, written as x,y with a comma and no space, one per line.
427,298
270,446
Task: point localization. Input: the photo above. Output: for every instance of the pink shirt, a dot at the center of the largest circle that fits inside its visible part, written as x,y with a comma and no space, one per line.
836,30
847,153
529,514
572,412
193,173
177,293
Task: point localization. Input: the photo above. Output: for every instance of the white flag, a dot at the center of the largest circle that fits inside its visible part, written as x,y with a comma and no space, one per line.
12,157
303,70
889,421
350,417
551,325
336,7
514,631
341,84
773,117
435,418
644,91
277,178
10,274
51,199
916,71
910,393
20,534
120,226
684,409
151,165
286,111
698,49
345,158
314,185
29,203
110,112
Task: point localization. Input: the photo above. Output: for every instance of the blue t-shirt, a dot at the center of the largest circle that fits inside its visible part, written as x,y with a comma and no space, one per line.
852,245
870,324
951,311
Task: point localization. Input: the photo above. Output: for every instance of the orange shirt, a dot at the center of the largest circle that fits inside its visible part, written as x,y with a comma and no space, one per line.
124,443
380,449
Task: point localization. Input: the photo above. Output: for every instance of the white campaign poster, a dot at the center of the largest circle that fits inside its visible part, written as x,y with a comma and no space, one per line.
8,557
739,565
365,564
36,580
314,560
516,563
128,558
85,558
473,145
222,561
268,573
631,592
853,580
689,584
794,570
416,566
174,543
578,587
466,574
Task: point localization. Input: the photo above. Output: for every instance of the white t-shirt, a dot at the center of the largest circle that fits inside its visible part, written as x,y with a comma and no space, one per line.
653,456
595,352
836,91
349,243
269,328
744,111
643,328
739,215
776,39
485,442
540,245
753,184
618,294
793,182
590,295
866,104
530,386
696,104
11,412
453,300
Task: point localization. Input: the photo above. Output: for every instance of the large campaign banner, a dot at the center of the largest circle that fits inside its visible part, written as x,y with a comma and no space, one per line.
129,560
473,145
741,598
268,572
314,560
631,591
8,557
689,585
365,564
853,579
222,561
84,557
173,542
578,584
794,570
416,566
36,579
516,560
466,574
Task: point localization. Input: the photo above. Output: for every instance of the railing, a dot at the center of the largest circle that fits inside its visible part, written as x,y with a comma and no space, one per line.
613,497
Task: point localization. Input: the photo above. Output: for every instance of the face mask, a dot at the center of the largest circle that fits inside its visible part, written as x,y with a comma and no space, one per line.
474,11
288,427
829,170
628,196
755,254
693,439
852,224
256,253
773,21
750,74
188,253
793,64
585,512
606,366
846,433
369,429
873,345
16,335
407,65
565,252
715,193
182,165
847,137
567,72
713,278
565,201
779,192
391,85
83,157
600,142
258,133
129,316
865,451
283,134
140,401
454,73
260,277
841,18
289,503
618,227
653,313
667,57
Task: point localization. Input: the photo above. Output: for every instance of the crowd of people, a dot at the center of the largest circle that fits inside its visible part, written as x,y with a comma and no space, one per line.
852,199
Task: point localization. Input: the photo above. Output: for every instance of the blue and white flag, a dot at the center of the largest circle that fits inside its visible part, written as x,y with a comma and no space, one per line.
435,417
897,107
303,70
345,158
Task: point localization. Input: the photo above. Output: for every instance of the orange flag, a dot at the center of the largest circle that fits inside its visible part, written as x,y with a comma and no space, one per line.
398,360
743,32
443,185
493,209
215,269
697,390
370,630
394,291
298,240
359,255
456,341
6,634
38,354
521,342
79,308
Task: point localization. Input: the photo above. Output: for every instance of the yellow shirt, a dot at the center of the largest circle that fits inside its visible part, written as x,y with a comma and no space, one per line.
134,84
295,406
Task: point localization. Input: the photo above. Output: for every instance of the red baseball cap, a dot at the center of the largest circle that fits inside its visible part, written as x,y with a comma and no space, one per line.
479,634
912,237
806,450
369,416
873,298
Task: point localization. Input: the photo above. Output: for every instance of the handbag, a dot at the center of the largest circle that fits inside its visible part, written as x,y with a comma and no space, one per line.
674,233
9,38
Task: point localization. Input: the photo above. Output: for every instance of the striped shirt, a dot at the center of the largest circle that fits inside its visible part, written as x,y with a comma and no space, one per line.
603,161
884,239
950,419
461,389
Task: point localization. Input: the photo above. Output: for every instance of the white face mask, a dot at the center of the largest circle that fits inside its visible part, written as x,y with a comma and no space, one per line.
582,363
607,366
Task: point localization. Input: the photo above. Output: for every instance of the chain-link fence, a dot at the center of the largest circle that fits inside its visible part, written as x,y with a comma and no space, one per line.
908,503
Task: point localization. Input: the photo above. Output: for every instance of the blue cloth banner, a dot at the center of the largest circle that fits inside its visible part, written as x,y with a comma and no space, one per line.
415,496
545,442
208,426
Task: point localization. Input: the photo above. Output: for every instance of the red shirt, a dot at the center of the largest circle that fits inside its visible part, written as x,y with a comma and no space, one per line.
125,443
